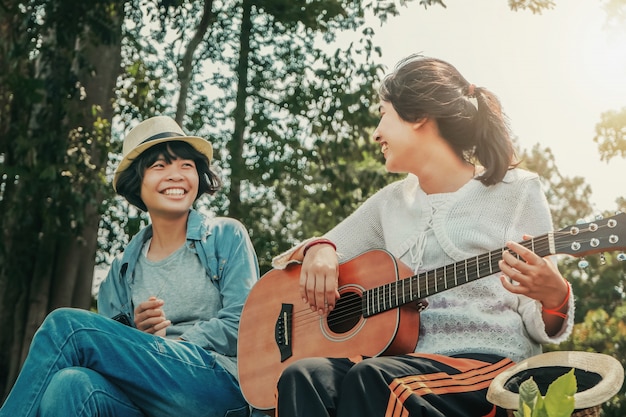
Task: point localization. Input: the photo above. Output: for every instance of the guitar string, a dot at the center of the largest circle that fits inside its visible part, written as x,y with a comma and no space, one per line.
431,287
355,309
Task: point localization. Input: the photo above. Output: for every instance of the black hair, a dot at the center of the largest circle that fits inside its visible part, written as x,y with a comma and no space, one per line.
422,87
129,180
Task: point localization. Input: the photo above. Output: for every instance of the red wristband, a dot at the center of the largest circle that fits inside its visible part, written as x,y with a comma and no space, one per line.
317,242
555,311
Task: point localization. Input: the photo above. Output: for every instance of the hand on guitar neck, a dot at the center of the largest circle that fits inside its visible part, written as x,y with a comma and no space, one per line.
533,276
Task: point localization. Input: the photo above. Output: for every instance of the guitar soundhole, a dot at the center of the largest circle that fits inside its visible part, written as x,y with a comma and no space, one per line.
347,313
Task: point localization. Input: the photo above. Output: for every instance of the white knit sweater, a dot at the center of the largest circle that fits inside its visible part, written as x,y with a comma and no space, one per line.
431,231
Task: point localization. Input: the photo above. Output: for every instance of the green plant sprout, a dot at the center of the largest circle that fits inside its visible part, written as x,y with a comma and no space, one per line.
558,401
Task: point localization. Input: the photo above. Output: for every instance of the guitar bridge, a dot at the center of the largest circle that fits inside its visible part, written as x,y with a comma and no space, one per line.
282,332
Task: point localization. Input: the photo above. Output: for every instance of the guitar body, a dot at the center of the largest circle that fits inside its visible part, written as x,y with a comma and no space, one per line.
277,328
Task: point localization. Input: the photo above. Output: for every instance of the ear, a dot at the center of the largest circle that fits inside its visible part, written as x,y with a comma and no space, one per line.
421,123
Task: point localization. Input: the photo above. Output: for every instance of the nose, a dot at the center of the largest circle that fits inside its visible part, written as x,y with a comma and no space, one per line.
376,135
174,174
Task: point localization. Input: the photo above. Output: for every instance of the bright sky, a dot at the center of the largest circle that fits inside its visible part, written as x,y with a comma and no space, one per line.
555,73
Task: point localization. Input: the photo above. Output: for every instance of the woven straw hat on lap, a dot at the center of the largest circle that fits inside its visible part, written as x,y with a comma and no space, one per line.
598,377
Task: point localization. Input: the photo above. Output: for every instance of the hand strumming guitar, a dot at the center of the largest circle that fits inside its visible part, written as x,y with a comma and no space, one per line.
319,276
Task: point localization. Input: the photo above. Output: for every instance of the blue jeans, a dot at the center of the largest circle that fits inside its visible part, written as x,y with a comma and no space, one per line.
84,364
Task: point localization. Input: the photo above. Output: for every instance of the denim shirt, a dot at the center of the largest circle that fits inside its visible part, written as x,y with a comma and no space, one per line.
224,250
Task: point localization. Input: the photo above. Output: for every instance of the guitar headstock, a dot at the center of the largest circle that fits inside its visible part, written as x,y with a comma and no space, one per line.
593,237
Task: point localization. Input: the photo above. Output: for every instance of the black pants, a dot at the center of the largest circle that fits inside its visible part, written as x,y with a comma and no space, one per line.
416,385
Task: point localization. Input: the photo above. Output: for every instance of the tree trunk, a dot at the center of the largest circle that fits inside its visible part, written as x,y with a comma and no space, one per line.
185,73
236,145
52,188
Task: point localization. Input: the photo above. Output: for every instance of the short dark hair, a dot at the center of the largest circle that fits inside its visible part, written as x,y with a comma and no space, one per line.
129,180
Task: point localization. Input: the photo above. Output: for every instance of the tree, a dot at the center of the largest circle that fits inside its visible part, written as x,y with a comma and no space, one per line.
611,134
60,62
568,197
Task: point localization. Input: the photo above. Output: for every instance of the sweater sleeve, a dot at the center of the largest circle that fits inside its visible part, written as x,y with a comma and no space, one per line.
360,231
534,218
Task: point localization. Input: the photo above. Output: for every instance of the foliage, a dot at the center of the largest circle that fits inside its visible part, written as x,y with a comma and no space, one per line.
615,12
535,6
599,286
568,197
603,331
611,134
278,118
55,127
558,401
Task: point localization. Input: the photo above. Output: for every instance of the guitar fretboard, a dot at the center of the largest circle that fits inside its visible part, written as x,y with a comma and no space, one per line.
420,286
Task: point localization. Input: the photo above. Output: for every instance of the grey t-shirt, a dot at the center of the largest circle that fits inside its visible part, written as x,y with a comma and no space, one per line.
181,282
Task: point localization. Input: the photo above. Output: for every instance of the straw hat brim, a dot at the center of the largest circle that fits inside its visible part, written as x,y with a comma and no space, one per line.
609,368
200,144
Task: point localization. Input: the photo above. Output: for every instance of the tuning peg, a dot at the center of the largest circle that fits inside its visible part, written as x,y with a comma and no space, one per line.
583,263
621,256
602,259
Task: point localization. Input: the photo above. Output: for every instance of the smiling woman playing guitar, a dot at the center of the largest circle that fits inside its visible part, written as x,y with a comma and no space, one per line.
463,196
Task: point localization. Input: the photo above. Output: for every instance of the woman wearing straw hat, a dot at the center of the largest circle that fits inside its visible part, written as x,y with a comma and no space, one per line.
175,296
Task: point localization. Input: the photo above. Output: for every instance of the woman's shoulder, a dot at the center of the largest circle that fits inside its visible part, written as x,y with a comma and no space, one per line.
406,185
217,225
520,184
519,175
396,192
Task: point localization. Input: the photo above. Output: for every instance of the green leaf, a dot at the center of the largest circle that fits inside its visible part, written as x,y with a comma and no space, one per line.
540,408
526,411
559,400
528,392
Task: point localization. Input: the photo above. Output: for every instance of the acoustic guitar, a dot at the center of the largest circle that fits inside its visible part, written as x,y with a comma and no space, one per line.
378,311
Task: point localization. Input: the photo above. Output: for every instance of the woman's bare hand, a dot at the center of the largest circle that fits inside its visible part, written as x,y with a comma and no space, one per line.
319,278
150,318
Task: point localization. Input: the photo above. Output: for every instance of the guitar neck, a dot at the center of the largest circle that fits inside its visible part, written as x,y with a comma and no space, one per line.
420,286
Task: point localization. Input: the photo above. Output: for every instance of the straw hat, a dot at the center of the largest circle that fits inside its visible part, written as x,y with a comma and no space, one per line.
151,132
598,377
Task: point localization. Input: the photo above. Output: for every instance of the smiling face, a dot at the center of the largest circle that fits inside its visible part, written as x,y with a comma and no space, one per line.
178,154
398,140
169,186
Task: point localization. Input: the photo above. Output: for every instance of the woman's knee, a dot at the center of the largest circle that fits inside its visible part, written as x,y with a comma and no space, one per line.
303,369
64,320
364,373
68,385
65,315
82,391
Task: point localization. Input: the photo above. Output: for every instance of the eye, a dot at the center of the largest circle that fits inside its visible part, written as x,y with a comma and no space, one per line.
188,164
158,164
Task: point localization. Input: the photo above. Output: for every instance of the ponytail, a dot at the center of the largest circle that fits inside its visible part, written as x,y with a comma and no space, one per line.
477,130
493,148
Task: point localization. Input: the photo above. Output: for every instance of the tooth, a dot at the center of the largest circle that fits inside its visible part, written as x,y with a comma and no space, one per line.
174,192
